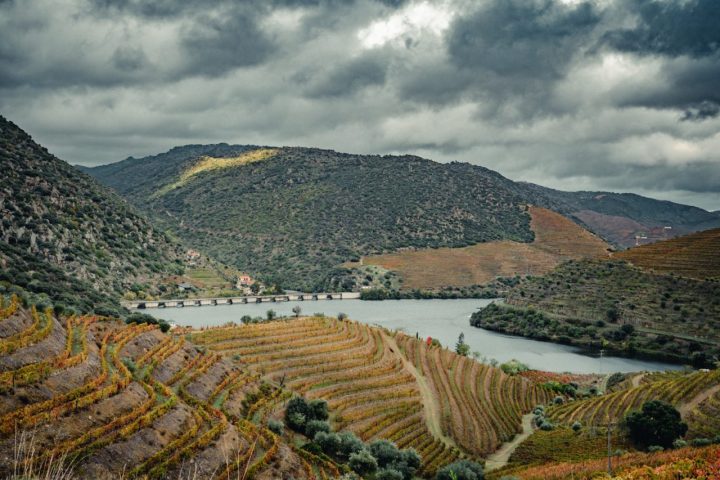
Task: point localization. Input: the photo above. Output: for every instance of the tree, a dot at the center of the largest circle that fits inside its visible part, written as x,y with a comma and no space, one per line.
461,470
318,409
363,463
297,413
385,452
255,288
462,348
270,314
658,423
312,427
342,316
296,310
388,474
349,444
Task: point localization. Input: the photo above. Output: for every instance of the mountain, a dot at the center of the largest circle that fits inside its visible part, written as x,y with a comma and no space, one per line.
621,217
696,255
66,236
292,215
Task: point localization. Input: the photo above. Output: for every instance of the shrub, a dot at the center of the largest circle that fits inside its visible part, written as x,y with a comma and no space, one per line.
461,470
388,474
577,426
655,448
658,423
314,426
349,444
679,443
297,413
318,410
276,426
328,442
363,463
385,452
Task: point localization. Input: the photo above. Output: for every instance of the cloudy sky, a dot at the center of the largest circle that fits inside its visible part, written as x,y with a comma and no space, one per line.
619,95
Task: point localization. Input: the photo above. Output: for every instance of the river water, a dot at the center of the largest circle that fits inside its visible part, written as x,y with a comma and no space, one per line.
441,319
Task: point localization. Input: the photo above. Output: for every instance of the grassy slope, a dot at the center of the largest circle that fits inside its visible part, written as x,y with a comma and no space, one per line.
294,216
556,239
696,255
65,235
588,302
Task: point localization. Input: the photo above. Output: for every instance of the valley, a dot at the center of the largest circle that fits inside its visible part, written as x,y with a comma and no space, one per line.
334,389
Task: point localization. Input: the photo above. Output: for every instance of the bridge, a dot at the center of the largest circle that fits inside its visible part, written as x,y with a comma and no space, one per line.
202,302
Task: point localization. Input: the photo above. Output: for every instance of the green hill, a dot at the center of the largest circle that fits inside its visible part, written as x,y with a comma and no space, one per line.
613,305
291,215
64,235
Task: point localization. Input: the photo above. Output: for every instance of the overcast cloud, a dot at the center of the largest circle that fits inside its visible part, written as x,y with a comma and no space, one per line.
618,95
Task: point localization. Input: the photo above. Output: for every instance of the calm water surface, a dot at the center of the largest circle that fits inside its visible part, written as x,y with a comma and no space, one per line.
441,319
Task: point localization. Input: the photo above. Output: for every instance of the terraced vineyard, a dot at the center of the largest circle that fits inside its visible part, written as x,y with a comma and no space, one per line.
112,398
696,255
380,386
676,388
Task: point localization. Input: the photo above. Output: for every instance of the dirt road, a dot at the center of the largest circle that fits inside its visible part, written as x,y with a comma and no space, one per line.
500,458
430,402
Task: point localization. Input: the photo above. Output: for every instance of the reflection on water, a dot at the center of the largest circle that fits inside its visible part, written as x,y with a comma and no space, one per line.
441,319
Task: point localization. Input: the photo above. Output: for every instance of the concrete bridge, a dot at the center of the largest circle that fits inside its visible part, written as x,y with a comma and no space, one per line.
202,302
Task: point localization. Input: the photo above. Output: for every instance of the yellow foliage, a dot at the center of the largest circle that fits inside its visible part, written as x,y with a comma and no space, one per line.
207,164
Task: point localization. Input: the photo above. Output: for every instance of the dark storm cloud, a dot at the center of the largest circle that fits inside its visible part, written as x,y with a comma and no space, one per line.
687,84
350,77
213,46
519,48
521,39
541,90
670,28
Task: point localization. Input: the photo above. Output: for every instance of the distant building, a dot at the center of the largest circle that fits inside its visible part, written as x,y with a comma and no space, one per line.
244,280
192,256
185,286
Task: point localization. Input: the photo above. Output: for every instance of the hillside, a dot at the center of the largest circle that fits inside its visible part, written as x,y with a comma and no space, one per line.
103,397
696,255
556,239
65,236
291,215
621,217
616,306
295,213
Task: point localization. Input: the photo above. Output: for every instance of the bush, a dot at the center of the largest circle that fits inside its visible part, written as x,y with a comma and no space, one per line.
658,423
314,426
680,443
577,426
297,413
461,470
655,448
388,474
385,452
328,442
349,444
363,463
318,410
276,426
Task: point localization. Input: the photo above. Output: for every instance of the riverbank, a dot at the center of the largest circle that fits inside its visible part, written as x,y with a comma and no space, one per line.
610,338
443,320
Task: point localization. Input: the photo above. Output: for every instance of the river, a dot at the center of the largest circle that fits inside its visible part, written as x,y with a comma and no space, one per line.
441,319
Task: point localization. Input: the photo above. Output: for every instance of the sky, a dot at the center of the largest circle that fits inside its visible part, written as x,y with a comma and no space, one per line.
619,95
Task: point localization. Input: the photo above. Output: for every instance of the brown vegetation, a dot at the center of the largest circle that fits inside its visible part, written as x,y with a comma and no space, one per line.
696,255
556,239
